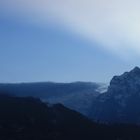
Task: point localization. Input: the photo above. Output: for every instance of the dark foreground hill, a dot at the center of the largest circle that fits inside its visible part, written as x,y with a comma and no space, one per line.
30,119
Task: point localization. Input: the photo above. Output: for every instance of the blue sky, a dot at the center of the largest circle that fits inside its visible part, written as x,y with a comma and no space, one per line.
35,47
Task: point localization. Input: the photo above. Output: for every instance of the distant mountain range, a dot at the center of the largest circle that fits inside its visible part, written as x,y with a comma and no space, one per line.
77,95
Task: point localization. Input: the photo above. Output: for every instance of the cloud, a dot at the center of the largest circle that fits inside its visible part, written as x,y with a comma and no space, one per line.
113,24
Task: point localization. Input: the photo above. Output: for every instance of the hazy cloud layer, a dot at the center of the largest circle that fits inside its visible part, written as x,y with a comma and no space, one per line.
114,24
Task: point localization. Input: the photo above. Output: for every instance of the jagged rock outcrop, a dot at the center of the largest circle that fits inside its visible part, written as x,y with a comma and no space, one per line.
126,84
121,103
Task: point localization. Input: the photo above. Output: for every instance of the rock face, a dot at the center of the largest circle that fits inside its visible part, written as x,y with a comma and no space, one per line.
126,84
121,102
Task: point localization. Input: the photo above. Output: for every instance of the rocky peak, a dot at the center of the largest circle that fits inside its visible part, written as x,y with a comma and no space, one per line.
121,103
136,70
127,83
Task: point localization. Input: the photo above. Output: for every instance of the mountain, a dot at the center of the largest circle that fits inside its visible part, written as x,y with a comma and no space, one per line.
27,118
121,102
77,95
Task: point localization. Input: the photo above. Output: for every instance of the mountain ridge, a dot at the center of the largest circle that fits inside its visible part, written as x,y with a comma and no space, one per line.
121,101
77,95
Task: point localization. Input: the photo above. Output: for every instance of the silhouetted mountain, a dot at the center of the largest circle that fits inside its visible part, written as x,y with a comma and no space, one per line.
77,95
30,119
121,103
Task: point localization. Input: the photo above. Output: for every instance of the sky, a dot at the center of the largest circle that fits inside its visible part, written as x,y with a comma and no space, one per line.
68,40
